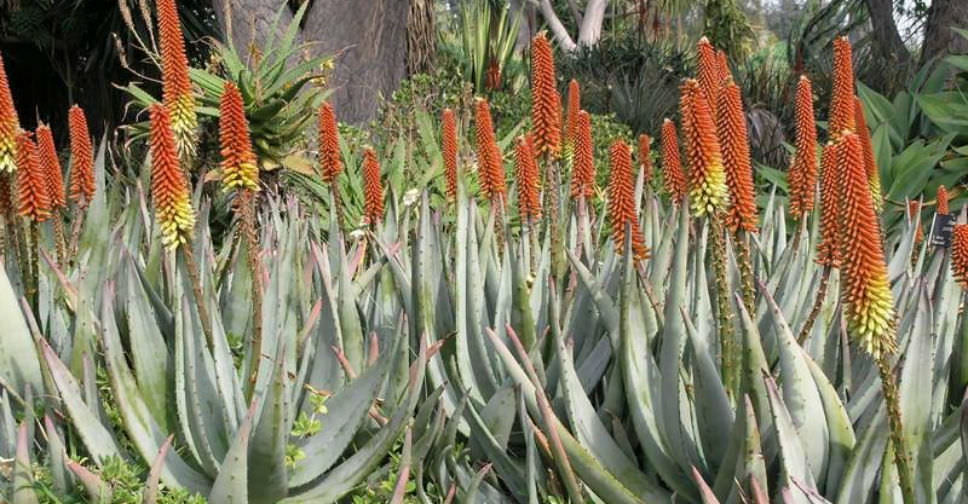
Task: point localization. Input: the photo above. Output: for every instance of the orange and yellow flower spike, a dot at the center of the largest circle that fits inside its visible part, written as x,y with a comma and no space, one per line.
803,172
645,157
673,179
842,100
51,166
583,173
869,305
330,158
82,159
959,254
176,84
169,187
490,166
722,63
449,151
372,187
621,201
870,164
546,102
32,199
9,125
942,201
731,131
526,176
708,193
571,113
831,179
239,168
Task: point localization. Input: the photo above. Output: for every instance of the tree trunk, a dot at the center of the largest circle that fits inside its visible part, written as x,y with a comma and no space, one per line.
421,37
939,39
888,45
369,38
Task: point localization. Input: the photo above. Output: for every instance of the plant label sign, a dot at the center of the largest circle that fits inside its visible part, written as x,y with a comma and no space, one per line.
941,233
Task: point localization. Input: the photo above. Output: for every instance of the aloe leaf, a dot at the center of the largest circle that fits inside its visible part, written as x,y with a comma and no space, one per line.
706,493
268,480
468,309
151,490
232,484
842,438
8,426
475,485
916,403
795,466
23,491
97,439
98,491
345,413
56,457
19,364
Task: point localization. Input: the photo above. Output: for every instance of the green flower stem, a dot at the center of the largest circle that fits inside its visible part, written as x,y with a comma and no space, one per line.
902,458
817,305
729,360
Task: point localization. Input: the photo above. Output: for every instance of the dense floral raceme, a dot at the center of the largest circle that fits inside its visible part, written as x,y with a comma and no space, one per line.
942,201
82,159
449,151
708,72
842,98
330,158
176,85
803,172
546,102
959,254
707,177
583,173
9,124
526,177
722,64
734,142
490,166
51,166
869,305
372,187
870,165
32,199
169,187
645,157
673,180
831,179
621,201
571,112
239,168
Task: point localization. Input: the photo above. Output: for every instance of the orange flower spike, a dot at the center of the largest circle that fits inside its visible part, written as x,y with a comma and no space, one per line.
169,188
176,85
51,166
526,175
330,158
942,199
673,179
621,201
9,125
707,177
571,114
239,168
32,198
870,165
731,131
708,72
449,150
490,167
372,187
583,174
82,159
959,254
722,63
865,289
803,173
831,178
842,100
645,157
546,103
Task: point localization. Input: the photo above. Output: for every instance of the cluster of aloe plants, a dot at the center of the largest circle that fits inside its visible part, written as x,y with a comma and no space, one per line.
516,342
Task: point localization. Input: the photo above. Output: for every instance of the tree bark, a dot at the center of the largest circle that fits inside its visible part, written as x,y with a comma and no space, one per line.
888,45
368,37
591,26
421,37
939,38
